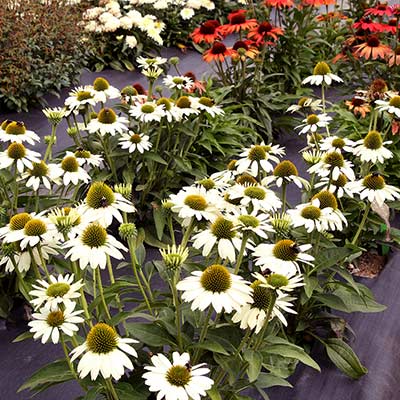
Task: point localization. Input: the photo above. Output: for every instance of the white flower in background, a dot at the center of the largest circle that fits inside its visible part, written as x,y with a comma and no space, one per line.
49,324
152,73
171,111
284,173
55,115
92,246
336,143
161,5
102,90
206,104
131,41
146,63
391,106
68,221
17,154
16,132
135,142
178,82
61,290
212,186
126,23
322,74
186,105
107,122
104,353
255,222
338,187
215,286
333,164
220,233
85,157
283,257
371,148
15,226
374,188
42,173
110,22
178,380
102,205
187,13
281,283
147,112
313,122
312,156
306,104
79,97
72,172
256,158
194,202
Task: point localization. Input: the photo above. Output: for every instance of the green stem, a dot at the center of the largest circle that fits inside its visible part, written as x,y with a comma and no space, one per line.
111,389
84,304
20,278
188,232
108,158
67,358
43,262
101,291
34,265
284,186
203,334
362,223
241,254
48,154
177,305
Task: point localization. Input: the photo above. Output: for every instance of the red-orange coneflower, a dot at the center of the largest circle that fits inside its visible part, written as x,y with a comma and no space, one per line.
218,52
365,23
380,10
237,23
359,106
330,16
243,49
318,3
279,3
139,88
264,31
207,32
372,48
394,57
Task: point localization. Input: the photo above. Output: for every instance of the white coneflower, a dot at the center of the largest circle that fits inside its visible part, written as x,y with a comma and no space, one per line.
102,205
284,173
72,172
336,143
68,222
187,13
107,122
178,82
135,142
255,222
281,283
61,290
17,154
174,256
321,74
206,104
49,324
147,112
16,132
306,104
79,97
374,188
371,148
336,186
92,246
215,286
221,233
171,111
149,62
104,353
186,106
333,164
85,157
55,115
283,257
42,173
178,380
314,122
392,106
102,90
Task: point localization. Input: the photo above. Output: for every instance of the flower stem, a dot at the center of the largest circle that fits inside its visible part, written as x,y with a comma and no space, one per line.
48,154
203,334
101,291
188,231
20,279
111,389
67,358
241,254
362,223
84,304
284,185
178,310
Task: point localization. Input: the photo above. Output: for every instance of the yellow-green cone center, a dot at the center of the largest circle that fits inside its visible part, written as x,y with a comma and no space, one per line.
135,138
39,169
101,339
55,319
163,101
35,227
262,296
208,183
178,375
246,179
322,68
106,116
16,151
334,159
100,84
374,182
285,168
311,212
196,202
5,123
206,101
222,228
177,80
231,165
183,102
249,221
94,236
255,192
326,199
58,289
341,181
373,140
15,128
315,138
395,101
18,221
99,195
216,278
147,108
70,164
129,91
312,119
338,143
302,101
277,280
257,153
82,153
285,250
83,95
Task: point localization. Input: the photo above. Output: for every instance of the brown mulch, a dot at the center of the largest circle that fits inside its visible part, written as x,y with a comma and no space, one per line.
368,265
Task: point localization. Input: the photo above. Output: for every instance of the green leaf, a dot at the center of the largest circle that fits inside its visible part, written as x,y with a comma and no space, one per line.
255,359
311,283
343,356
23,336
126,391
214,394
154,157
159,221
211,346
150,334
330,257
266,380
50,374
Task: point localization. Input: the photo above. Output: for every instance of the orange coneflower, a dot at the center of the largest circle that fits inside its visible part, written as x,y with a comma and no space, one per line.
197,85
372,48
243,49
332,15
318,3
140,89
394,57
264,31
218,52
395,126
279,3
365,23
207,32
377,89
359,106
237,23
380,10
